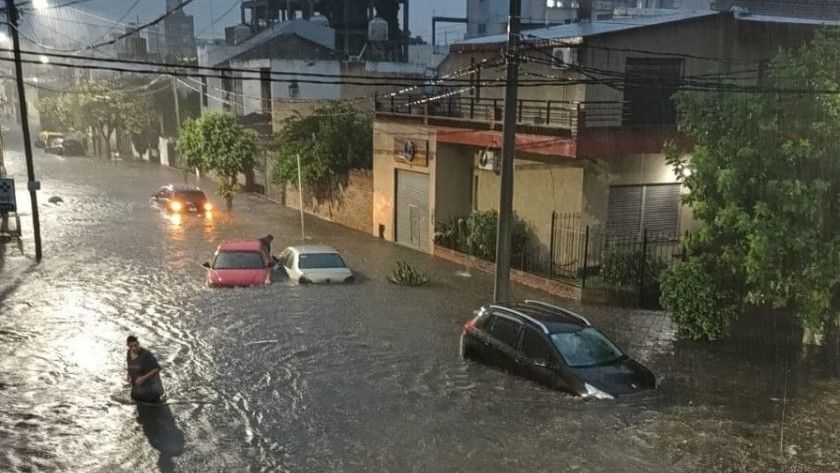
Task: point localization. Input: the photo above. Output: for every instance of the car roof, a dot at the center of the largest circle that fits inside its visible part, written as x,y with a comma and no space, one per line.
546,317
310,249
182,187
240,245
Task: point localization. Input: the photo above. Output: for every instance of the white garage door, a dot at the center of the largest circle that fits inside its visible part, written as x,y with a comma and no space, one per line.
413,210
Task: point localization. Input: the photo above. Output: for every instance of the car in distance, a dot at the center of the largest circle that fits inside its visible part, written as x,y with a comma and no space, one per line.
44,138
65,147
174,199
314,264
552,346
239,263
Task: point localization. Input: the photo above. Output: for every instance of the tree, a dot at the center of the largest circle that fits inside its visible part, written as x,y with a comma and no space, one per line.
765,183
215,142
331,142
104,107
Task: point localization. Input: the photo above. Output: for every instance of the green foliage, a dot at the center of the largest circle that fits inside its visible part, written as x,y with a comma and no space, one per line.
453,234
765,183
482,227
700,305
621,269
331,141
102,106
215,142
407,275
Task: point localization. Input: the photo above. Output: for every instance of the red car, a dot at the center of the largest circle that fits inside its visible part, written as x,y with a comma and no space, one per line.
239,263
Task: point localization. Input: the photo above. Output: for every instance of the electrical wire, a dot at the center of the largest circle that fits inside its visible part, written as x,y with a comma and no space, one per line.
139,28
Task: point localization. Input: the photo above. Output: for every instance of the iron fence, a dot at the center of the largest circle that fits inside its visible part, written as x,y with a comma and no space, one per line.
589,257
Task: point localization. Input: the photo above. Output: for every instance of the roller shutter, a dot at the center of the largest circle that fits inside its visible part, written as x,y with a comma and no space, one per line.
412,210
632,209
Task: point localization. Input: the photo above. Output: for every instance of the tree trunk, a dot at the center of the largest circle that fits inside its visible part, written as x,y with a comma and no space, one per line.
229,197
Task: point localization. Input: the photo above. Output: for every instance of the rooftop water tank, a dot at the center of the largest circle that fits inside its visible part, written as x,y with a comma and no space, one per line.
378,30
320,20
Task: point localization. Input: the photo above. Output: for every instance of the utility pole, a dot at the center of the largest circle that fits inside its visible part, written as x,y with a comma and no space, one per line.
177,105
501,292
13,17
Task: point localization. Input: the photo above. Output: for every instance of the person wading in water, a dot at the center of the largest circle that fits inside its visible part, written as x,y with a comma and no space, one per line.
143,372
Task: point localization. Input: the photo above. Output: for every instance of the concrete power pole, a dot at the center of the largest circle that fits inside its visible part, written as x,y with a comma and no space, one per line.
501,291
13,17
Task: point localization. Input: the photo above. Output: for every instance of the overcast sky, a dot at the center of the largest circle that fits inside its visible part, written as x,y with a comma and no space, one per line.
211,18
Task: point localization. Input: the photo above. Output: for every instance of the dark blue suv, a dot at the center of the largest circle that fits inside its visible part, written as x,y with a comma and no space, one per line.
555,347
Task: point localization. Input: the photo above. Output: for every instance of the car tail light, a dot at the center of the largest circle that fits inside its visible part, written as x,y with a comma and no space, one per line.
175,206
303,280
349,279
469,325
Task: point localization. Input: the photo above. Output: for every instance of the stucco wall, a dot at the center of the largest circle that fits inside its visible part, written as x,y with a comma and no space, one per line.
644,169
251,86
351,206
453,182
538,190
384,171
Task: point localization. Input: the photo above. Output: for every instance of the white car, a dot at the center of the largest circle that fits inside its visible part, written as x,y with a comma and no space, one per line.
314,264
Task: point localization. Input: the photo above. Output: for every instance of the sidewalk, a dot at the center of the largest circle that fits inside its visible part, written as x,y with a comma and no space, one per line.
14,264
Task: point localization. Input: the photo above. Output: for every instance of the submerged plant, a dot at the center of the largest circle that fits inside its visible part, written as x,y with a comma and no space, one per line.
407,275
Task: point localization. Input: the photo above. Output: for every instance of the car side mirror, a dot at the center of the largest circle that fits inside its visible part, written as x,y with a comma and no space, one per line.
206,264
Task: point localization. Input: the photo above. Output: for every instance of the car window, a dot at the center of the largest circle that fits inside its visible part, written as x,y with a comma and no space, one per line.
535,346
505,330
289,261
320,261
191,196
586,347
239,260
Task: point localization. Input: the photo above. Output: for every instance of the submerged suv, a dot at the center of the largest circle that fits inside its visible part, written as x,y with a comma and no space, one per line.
553,346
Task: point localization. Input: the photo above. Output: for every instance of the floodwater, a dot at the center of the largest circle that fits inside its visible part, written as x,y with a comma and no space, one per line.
357,378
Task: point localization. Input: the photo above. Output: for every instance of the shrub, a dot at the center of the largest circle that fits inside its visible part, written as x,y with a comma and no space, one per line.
407,275
453,234
621,269
700,305
482,234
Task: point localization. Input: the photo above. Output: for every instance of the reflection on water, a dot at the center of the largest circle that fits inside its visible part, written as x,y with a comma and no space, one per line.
163,434
362,377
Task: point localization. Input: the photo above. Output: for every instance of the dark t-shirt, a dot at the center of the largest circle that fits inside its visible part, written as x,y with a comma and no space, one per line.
141,365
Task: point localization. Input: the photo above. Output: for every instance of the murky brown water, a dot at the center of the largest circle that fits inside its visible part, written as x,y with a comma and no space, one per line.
346,378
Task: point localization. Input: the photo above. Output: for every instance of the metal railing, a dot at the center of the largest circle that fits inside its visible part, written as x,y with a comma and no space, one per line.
542,113
584,256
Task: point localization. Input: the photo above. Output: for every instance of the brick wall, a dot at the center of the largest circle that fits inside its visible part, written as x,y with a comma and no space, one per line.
351,207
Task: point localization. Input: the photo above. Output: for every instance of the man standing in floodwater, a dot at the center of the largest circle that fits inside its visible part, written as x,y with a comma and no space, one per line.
143,372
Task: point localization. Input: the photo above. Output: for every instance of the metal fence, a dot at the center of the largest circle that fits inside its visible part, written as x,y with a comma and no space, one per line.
589,257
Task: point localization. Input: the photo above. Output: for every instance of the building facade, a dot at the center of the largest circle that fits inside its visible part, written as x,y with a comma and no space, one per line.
593,115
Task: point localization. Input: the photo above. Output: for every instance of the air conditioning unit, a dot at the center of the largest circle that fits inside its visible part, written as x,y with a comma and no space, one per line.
488,160
563,58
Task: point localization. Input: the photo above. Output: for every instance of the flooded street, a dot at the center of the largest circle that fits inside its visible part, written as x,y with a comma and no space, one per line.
358,378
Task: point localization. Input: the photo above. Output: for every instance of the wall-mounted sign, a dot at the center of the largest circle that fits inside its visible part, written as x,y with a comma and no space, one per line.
408,151
414,152
7,195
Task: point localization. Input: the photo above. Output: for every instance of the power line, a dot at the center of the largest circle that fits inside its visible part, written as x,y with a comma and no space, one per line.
256,71
142,27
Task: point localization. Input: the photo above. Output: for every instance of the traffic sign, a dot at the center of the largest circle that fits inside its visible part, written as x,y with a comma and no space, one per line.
7,195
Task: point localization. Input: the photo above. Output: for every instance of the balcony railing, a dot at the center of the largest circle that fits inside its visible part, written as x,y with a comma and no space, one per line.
562,115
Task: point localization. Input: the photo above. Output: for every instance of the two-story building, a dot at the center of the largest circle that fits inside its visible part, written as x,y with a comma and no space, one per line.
593,113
